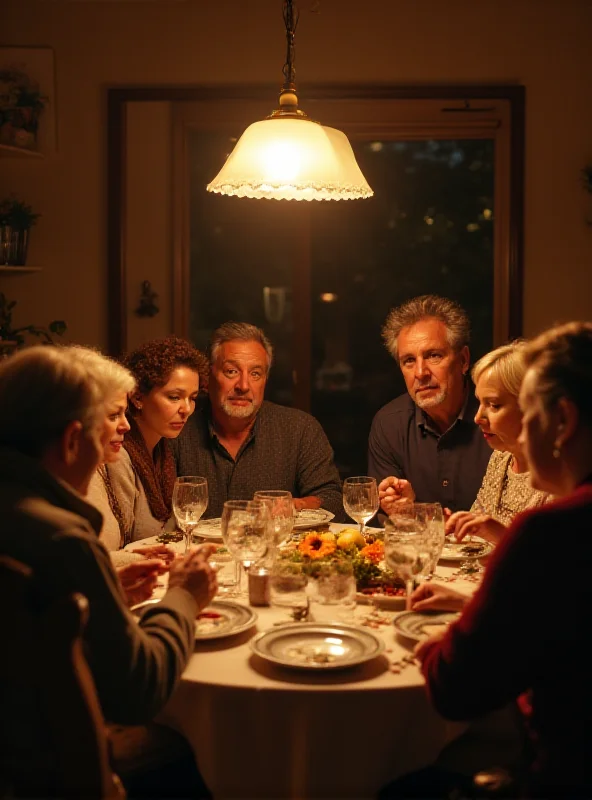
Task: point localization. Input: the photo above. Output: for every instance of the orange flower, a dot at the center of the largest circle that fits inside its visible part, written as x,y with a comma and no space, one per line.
373,552
315,545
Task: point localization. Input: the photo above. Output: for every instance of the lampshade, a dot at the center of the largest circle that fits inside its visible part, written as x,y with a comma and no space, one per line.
292,158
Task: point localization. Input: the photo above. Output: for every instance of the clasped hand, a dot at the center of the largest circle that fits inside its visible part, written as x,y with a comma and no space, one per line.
394,493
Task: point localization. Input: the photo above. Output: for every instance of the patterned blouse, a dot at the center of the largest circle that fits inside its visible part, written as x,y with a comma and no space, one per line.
505,493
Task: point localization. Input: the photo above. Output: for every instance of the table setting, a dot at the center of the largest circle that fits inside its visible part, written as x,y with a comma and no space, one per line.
282,678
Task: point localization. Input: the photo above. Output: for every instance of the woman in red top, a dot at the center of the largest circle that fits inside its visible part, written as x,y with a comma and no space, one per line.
527,628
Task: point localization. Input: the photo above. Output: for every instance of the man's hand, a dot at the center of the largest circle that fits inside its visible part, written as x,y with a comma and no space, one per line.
138,579
312,501
160,551
394,493
194,574
435,597
463,523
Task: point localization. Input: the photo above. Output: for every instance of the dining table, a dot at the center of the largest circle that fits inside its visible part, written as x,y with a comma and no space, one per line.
263,730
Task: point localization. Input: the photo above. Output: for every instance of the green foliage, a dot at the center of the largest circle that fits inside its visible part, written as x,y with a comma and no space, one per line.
10,334
17,214
19,90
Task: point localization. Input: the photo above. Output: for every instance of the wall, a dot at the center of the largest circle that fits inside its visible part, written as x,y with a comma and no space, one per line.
543,44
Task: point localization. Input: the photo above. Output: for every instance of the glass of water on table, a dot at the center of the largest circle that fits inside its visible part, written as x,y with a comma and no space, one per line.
245,531
407,549
190,500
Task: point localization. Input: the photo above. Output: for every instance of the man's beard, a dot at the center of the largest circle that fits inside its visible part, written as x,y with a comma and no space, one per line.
431,402
240,412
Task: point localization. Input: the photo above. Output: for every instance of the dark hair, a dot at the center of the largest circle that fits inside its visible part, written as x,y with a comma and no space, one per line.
152,363
231,331
562,358
427,306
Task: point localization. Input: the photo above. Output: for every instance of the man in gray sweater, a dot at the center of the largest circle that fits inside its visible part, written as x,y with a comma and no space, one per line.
242,443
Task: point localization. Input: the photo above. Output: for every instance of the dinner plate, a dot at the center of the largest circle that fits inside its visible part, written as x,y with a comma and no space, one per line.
312,518
466,550
221,618
315,646
209,529
418,625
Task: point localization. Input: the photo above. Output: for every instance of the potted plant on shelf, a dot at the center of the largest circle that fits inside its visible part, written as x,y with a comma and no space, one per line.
21,105
12,338
16,219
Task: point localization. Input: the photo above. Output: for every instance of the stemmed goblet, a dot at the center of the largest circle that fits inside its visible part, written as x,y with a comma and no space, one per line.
190,500
245,530
360,499
432,516
406,548
281,511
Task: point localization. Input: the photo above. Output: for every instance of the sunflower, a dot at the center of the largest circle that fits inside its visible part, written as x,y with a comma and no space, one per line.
317,545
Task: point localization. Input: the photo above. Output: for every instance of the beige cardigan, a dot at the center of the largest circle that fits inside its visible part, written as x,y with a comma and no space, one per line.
132,501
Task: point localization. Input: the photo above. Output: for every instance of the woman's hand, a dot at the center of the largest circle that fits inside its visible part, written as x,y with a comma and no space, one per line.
159,551
465,523
394,493
421,648
138,579
436,597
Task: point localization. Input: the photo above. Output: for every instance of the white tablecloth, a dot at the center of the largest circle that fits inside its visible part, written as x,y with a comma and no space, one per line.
264,731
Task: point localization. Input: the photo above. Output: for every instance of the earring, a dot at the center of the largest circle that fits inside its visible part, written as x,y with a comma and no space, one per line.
556,451
138,406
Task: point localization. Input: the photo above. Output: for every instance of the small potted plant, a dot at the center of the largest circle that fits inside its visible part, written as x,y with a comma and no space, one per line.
12,338
16,219
21,104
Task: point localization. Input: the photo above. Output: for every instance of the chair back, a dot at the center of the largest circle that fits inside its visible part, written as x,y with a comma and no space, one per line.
43,661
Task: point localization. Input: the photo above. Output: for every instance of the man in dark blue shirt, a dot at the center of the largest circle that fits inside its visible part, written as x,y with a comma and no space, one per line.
424,445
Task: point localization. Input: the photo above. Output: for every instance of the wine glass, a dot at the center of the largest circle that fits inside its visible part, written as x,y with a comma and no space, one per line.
360,499
406,547
245,530
190,500
432,516
281,511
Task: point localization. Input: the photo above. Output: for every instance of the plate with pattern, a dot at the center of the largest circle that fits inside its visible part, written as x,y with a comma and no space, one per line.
221,618
476,547
313,646
311,518
418,625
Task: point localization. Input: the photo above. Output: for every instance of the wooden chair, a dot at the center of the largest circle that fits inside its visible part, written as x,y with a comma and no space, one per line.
43,660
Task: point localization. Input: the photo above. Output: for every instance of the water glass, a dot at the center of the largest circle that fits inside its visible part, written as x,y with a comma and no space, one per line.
245,531
287,586
332,591
190,500
227,570
432,516
360,499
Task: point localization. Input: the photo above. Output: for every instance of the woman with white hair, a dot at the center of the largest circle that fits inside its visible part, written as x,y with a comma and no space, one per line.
506,489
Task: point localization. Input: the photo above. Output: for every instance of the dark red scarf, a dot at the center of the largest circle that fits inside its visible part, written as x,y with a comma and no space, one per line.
157,472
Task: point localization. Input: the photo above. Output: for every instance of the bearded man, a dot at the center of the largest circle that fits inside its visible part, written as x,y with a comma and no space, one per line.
241,442
424,445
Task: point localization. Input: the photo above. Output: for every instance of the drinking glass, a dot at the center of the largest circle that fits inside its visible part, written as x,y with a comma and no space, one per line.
227,569
360,499
190,500
333,592
245,531
432,516
281,511
406,547
287,587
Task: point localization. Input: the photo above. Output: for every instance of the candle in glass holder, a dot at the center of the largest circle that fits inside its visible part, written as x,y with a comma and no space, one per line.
258,586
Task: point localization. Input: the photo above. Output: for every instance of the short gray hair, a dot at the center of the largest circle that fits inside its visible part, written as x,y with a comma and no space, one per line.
45,388
427,306
506,363
230,331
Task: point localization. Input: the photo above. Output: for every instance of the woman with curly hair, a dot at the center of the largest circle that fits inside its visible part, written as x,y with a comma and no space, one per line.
169,373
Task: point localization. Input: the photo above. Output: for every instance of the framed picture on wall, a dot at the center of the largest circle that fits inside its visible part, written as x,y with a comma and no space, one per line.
27,100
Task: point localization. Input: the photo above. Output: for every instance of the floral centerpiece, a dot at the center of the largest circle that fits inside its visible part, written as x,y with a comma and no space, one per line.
366,556
21,105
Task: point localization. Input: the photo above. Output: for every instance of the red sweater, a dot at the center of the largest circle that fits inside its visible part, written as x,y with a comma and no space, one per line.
528,627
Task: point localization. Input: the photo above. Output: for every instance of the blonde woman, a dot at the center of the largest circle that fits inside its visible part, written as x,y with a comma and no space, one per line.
506,489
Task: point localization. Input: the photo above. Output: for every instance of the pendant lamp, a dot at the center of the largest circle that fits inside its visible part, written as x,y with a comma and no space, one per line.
288,156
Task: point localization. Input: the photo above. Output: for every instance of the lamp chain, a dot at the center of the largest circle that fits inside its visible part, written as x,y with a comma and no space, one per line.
291,22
